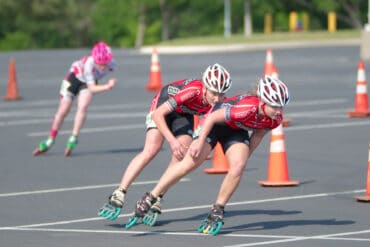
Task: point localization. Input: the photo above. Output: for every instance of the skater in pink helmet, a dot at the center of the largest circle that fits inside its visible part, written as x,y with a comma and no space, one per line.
81,82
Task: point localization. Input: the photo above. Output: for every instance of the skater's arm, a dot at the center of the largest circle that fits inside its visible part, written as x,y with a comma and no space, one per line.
217,116
159,118
255,139
97,88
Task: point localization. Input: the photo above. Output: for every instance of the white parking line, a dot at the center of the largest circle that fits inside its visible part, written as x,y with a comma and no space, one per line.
91,187
201,207
138,126
281,238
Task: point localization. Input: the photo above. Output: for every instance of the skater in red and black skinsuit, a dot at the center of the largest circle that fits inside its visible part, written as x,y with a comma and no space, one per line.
171,118
229,124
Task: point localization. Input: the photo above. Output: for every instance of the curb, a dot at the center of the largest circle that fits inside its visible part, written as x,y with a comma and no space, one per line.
248,47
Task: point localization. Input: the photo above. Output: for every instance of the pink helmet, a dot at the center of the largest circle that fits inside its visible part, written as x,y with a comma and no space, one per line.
102,53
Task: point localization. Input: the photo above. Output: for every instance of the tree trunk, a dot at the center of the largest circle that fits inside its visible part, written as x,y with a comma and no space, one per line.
247,18
141,26
165,15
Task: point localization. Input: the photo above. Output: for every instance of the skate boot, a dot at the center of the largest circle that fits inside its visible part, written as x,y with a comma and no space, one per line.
113,207
43,147
71,144
151,217
142,207
212,224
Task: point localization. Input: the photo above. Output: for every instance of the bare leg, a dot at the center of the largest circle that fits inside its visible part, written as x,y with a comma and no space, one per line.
176,171
153,143
65,105
84,100
237,156
186,141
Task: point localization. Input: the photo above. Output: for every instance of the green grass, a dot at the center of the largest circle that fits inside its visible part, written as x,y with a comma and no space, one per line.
259,37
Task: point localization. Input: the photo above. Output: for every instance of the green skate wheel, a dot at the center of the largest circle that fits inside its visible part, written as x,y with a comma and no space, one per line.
150,218
109,212
203,226
215,228
131,222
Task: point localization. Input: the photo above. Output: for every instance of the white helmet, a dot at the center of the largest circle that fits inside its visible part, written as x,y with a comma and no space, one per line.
273,91
217,79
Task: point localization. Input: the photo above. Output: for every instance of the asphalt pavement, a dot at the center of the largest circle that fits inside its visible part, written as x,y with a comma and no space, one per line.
52,200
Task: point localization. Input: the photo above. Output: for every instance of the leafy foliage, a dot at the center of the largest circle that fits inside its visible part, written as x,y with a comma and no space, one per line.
37,24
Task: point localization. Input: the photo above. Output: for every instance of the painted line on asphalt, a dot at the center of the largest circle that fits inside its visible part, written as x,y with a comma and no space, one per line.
200,207
91,187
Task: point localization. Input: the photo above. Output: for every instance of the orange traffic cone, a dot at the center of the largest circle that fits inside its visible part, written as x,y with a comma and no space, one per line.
220,164
366,198
278,164
12,91
155,81
196,122
269,64
361,104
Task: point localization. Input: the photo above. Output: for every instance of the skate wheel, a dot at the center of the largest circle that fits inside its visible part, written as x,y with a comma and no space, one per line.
131,222
201,228
150,218
206,229
216,227
68,152
109,212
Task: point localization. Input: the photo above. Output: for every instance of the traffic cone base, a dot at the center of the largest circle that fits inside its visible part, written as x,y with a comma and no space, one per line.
358,113
277,184
216,170
363,198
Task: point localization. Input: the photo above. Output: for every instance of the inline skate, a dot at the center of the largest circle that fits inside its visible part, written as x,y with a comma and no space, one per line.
43,147
112,209
71,144
212,224
151,217
142,208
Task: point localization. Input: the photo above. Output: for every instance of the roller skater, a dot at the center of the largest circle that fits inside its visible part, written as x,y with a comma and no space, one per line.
142,208
81,82
212,224
112,209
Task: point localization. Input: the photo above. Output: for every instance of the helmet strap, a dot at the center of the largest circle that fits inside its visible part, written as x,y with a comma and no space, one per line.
205,95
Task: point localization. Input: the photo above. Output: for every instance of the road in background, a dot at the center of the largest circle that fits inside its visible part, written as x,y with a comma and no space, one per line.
52,200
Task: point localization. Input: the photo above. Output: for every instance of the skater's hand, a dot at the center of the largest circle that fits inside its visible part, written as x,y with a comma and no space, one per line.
178,149
195,149
111,83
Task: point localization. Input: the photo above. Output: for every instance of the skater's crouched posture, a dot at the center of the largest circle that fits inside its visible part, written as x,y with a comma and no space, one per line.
81,81
228,124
